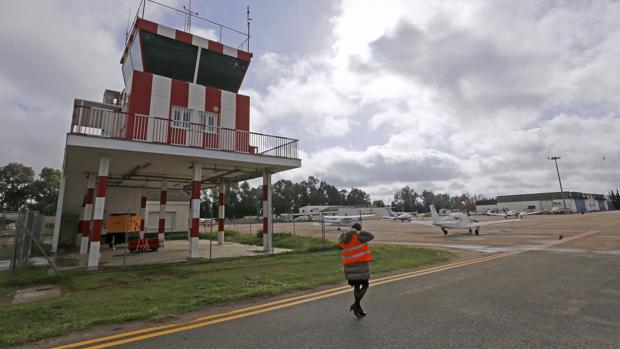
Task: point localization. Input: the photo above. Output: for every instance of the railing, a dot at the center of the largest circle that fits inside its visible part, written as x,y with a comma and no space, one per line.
182,18
108,123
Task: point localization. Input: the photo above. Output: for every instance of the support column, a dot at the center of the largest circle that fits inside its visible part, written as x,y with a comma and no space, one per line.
102,180
267,217
88,214
195,210
142,216
78,236
163,199
221,213
58,219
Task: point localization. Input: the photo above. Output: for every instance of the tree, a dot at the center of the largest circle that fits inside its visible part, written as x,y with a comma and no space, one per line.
44,191
334,196
357,197
378,203
406,200
15,181
284,196
615,198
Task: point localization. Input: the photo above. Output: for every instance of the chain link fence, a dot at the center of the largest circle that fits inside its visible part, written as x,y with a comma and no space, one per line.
25,240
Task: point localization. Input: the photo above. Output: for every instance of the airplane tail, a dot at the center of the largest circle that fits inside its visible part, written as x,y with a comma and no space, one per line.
390,212
434,214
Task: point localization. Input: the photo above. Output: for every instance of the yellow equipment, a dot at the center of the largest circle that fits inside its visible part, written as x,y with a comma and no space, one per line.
123,222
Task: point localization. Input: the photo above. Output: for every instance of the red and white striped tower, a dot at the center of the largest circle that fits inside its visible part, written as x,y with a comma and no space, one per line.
195,209
221,213
163,199
142,216
88,214
95,241
267,219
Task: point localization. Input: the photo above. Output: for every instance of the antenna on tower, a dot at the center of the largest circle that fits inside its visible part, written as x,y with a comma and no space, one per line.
127,30
248,19
188,17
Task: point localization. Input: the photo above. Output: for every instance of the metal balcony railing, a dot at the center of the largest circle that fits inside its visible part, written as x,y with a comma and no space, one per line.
108,123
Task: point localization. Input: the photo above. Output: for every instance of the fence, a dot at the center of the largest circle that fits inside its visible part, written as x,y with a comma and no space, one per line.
108,123
23,237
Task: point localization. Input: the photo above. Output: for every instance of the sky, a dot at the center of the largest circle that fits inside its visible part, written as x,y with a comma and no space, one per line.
452,96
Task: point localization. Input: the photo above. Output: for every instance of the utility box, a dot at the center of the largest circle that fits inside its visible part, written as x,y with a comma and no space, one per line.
123,222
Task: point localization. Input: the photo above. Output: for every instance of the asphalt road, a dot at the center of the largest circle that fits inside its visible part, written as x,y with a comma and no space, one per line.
537,299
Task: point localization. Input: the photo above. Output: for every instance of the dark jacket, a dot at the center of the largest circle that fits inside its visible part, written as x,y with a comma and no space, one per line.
356,271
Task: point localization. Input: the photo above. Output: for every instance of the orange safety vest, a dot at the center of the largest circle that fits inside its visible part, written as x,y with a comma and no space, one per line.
355,251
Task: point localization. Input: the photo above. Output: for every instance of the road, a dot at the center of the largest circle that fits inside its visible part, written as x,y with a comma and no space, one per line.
556,297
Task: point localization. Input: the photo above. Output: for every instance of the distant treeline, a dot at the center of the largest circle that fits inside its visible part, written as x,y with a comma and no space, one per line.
243,200
20,189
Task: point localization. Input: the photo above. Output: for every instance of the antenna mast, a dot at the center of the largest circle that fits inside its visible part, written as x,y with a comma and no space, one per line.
188,18
248,19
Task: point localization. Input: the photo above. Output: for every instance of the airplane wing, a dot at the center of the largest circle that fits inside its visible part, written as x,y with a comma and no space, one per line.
349,217
422,222
478,224
528,213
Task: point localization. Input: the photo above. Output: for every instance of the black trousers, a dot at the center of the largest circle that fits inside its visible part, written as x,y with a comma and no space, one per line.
359,289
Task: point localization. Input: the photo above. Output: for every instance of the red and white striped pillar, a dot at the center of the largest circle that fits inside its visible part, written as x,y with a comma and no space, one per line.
87,214
95,241
163,199
267,217
142,216
78,238
221,213
195,210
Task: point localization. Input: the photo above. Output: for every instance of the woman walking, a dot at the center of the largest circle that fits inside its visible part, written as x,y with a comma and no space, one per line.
355,258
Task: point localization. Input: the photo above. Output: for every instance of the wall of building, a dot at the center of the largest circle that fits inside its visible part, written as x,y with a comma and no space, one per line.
177,210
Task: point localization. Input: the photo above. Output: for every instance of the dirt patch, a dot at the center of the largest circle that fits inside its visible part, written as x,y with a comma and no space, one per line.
38,293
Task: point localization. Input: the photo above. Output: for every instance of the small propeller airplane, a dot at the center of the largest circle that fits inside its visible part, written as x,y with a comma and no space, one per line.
340,221
458,221
509,213
398,216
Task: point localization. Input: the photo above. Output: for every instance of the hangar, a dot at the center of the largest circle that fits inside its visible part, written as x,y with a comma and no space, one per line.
575,202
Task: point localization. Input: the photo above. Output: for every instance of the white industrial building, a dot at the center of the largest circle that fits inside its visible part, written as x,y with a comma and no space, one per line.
575,202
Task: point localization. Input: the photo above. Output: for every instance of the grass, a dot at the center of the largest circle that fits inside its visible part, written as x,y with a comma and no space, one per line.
111,296
6,252
297,243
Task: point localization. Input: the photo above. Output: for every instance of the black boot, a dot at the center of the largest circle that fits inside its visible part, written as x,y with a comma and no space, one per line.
356,310
360,310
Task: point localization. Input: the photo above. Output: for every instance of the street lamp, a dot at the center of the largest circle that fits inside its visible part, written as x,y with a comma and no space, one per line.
555,159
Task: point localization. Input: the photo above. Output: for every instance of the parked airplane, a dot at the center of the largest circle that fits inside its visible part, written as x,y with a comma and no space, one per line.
398,216
506,213
457,221
208,221
526,213
340,221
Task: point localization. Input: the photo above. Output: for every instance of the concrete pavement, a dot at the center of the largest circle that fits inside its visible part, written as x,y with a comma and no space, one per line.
534,299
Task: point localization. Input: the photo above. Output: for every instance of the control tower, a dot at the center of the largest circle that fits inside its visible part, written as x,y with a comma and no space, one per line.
179,125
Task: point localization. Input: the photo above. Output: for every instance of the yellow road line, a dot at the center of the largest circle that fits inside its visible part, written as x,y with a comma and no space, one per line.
271,306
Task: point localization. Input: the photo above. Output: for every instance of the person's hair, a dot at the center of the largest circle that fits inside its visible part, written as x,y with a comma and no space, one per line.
356,226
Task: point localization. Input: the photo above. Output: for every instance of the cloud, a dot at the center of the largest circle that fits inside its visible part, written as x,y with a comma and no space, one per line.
459,96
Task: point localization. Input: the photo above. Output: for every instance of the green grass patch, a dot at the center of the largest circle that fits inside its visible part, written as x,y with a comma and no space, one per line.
111,296
296,243
6,252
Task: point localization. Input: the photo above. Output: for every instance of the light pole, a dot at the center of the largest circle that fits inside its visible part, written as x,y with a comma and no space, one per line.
555,159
